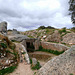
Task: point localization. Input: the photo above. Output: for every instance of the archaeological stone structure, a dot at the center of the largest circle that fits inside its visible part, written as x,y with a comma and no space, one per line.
31,43
54,46
3,28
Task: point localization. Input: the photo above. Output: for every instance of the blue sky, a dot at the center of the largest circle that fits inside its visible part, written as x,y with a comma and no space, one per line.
30,14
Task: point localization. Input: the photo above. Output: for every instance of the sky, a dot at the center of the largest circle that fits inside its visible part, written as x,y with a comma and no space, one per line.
30,14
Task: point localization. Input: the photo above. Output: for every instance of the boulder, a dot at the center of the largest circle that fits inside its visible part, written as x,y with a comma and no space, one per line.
54,46
34,61
55,37
3,27
63,64
37,44
18,37
69,38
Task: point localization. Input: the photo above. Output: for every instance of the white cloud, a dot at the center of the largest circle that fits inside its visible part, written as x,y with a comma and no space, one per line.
30,14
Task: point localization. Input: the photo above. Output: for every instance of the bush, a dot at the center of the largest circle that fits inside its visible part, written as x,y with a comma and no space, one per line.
30,61
3,45
8,70
43,27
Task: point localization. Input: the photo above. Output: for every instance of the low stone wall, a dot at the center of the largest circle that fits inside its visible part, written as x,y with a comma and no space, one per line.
54,46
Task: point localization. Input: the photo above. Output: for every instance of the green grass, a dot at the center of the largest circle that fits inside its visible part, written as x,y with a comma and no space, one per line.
71,74
30,61
30,36
8,70
50,51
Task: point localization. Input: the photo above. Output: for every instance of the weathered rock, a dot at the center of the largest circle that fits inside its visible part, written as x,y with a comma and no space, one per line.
54,46
17,37
37,44
69,38
55,37
3,28
63,64
34,61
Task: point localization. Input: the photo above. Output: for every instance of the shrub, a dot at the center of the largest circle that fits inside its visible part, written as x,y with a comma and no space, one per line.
30,61
3,45
8,70
41,27
48,27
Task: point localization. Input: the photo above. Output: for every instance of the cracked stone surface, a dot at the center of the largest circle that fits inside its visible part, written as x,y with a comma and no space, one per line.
63,64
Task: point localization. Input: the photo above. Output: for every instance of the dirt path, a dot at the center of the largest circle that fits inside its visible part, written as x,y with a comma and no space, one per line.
23,69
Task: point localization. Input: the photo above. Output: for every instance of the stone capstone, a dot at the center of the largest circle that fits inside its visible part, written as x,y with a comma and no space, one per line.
63,64
18,37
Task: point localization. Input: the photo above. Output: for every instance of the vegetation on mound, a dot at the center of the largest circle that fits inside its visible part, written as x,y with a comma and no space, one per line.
43,27
63,30
15,41
8,70
50,51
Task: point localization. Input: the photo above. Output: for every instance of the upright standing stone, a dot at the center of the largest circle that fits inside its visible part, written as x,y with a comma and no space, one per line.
37,44
3,28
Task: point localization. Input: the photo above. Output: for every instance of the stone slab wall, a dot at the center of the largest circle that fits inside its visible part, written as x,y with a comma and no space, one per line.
54,46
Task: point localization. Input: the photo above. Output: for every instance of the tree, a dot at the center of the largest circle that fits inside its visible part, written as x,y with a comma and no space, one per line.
72,9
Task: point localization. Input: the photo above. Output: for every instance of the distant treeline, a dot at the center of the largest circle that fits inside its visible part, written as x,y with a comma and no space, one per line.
48,27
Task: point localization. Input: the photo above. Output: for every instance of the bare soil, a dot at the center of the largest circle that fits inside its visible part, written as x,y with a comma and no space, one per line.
23,69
